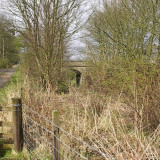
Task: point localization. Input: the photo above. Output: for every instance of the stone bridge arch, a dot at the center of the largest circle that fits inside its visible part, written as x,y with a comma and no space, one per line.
79,67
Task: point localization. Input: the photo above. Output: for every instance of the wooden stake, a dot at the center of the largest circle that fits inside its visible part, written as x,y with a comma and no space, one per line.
56,121
17,125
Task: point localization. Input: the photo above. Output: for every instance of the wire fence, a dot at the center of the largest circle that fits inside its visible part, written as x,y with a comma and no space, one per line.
39,140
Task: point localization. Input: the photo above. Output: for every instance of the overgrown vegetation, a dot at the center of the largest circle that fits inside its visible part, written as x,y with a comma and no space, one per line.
4,63
98,119
11,89
126,56
8,155
9,43
117,109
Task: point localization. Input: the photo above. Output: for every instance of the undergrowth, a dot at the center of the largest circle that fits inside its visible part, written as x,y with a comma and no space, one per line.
4,63
12,88
104,122
7,155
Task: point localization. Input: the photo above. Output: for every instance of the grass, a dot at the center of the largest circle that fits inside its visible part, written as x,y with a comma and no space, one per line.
7,155
11,88
4,63
99,120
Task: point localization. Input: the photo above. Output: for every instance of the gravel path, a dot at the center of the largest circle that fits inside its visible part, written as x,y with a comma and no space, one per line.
5,75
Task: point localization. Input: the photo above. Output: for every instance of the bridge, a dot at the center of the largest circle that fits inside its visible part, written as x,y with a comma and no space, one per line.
79,67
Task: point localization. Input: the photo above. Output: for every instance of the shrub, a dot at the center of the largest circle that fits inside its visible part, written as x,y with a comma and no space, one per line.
62,87
137,82
4,63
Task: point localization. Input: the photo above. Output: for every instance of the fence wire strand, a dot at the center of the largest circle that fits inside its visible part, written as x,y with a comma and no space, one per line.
45,139
31,124
56,138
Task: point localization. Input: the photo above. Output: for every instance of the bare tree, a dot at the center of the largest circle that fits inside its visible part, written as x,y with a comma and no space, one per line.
47,27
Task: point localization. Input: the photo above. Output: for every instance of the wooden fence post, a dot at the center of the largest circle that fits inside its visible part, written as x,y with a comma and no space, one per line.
17,125
56,121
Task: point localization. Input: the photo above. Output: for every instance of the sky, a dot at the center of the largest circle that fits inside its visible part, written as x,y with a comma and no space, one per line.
76,42
3,4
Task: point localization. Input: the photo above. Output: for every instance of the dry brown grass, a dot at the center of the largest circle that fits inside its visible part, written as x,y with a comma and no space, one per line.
110,126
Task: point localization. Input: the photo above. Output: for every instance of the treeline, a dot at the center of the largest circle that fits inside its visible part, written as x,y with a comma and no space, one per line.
124,48
9,43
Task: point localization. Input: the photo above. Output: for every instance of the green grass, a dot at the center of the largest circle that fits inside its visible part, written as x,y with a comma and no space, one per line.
4,63
4,153
12,86
7,155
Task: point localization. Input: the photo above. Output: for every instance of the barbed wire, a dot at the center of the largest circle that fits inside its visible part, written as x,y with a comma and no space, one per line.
69,134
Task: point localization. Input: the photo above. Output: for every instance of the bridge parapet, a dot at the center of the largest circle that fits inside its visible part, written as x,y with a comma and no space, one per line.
75,64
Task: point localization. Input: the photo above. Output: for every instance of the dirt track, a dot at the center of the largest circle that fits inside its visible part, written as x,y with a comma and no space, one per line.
5,75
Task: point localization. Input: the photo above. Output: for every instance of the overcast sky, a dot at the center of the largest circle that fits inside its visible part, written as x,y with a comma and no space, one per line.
76,42
77,45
